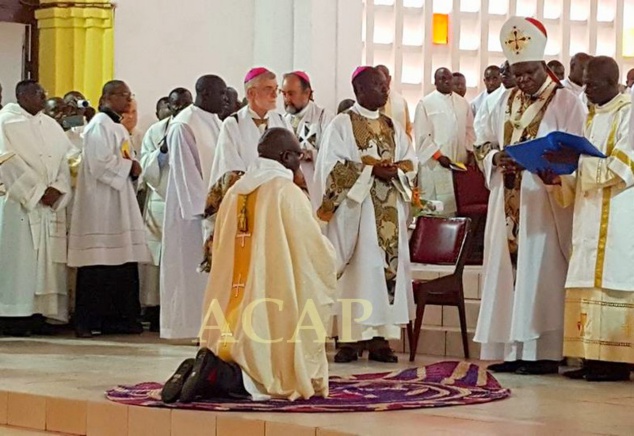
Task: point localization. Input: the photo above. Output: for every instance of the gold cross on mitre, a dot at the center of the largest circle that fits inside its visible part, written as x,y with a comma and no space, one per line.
517,40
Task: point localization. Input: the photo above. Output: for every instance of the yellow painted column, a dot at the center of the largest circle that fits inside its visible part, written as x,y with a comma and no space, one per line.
76,47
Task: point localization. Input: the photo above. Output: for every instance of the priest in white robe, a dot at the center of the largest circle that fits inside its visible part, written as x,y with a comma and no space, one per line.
574,81
270,292
481,122
238,141
107,235
155,164
191,145
309,122
365,170
32,212
492,82
527,237
396,106
599,316
444,135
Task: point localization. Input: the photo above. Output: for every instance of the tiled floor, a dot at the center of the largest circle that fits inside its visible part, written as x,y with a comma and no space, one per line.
83,369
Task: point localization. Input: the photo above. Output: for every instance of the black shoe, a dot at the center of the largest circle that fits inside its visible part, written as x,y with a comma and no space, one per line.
385,355
539,367
506,366
202,380
172,389
576,374
346,354
607,372
83,333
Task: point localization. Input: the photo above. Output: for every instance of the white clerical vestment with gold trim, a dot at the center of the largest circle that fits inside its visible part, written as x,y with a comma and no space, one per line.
521,315
272,272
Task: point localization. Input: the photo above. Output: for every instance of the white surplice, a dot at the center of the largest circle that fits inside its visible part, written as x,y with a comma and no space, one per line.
238,141
578,90
309,126
107,226
481,120
521,315
155,174
397,109
443,123
32,235
191,142
354,224
477,102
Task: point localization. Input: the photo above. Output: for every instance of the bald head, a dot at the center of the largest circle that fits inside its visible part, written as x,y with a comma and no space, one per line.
282,146
179,99
211,94
578,64
443,80
371,89
630,78
459,84
558,69
56,108
601,79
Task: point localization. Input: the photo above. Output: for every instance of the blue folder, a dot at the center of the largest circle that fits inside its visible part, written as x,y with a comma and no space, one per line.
529,154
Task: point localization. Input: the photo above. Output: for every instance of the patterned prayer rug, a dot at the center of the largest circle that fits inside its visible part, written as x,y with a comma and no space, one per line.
439,385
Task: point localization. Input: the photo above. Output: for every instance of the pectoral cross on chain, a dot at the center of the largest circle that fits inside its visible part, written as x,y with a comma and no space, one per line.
238,286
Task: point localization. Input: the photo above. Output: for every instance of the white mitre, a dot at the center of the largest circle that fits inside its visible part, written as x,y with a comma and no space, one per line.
523,40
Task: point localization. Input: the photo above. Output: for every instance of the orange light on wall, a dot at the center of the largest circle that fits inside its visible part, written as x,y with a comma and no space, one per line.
440,29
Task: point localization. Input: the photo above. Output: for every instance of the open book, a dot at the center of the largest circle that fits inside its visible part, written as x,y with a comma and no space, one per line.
530,154
6,156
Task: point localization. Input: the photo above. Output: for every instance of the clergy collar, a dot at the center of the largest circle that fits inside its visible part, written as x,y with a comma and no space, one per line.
367,113
612,104
302,113
447,96
255,116
112,115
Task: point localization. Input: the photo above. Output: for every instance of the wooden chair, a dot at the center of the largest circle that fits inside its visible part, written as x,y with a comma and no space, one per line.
472,199
439,241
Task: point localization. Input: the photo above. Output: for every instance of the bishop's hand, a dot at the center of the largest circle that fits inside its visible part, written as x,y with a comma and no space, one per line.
549,177
385,171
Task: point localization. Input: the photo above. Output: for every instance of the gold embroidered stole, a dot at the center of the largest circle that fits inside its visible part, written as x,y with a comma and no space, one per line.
606,194
214,198
380,133
241,266
523,118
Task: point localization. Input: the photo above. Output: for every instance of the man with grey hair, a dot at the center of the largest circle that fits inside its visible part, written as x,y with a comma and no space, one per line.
238,141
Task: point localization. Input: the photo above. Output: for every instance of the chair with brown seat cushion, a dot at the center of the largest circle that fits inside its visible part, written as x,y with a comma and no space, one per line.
472,199
439,241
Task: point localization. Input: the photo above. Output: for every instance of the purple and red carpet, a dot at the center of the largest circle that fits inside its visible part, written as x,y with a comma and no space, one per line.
439,385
